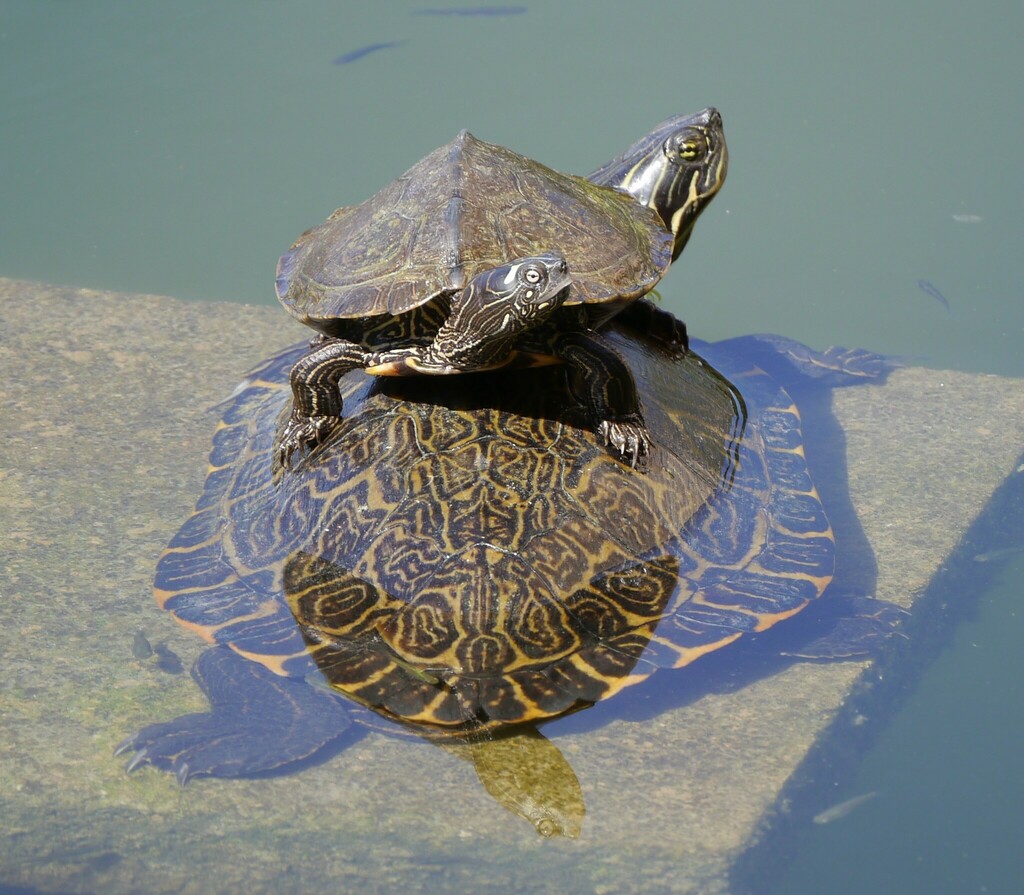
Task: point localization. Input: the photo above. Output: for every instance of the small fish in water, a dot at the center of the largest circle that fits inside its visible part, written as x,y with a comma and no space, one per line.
843,808
141,647
353,55
1002,553
167,660
967,218
472,11
928,289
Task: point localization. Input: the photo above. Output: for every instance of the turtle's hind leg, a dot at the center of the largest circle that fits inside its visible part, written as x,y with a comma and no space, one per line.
604,384
646,318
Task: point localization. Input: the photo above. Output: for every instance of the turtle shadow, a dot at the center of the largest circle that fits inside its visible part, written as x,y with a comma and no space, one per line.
489,391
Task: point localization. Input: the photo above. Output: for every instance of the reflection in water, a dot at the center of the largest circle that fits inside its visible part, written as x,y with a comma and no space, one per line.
468,566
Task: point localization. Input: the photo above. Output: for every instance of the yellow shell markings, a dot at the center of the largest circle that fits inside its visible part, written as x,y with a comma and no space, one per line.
466,509
448,565
452,500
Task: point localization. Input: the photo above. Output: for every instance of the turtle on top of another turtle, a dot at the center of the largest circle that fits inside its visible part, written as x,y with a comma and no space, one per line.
392,284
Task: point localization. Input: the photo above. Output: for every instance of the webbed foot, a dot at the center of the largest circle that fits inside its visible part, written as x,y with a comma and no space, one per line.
190,746
865,626
258,722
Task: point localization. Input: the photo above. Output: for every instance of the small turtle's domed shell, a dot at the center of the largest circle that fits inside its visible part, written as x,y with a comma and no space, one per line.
467,207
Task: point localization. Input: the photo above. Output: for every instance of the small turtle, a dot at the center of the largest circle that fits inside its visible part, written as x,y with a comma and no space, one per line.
481,332
398,271
469,559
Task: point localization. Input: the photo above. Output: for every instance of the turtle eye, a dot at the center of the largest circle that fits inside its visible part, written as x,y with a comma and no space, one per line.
532,275
690,146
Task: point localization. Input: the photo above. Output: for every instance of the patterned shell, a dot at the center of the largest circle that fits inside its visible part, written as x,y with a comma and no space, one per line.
467,207
451,562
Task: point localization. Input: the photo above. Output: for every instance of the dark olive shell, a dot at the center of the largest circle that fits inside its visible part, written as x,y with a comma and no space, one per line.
467,207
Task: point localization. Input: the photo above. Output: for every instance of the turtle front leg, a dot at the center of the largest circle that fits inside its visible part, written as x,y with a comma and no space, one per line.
258,722
647,318
604,384
316,400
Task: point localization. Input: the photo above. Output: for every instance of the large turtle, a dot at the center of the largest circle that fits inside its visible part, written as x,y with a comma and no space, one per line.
468,559
390,284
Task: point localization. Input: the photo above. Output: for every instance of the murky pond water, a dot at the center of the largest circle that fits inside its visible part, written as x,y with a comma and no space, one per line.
872,200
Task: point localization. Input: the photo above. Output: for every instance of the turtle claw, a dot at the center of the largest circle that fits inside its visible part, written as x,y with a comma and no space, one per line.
142,757
141,753
139,759
303,434
629,440
125,744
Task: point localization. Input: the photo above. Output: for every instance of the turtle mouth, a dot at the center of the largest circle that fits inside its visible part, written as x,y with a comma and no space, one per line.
713,117
709,119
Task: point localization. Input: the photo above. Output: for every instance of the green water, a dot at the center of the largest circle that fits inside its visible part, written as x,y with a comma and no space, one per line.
178,148
947,814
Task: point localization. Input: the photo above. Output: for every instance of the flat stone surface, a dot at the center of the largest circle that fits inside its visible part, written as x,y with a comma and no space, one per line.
107,420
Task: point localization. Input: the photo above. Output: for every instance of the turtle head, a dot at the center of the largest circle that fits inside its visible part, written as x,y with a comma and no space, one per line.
531,289
495,307
486,316
676,170
505,300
